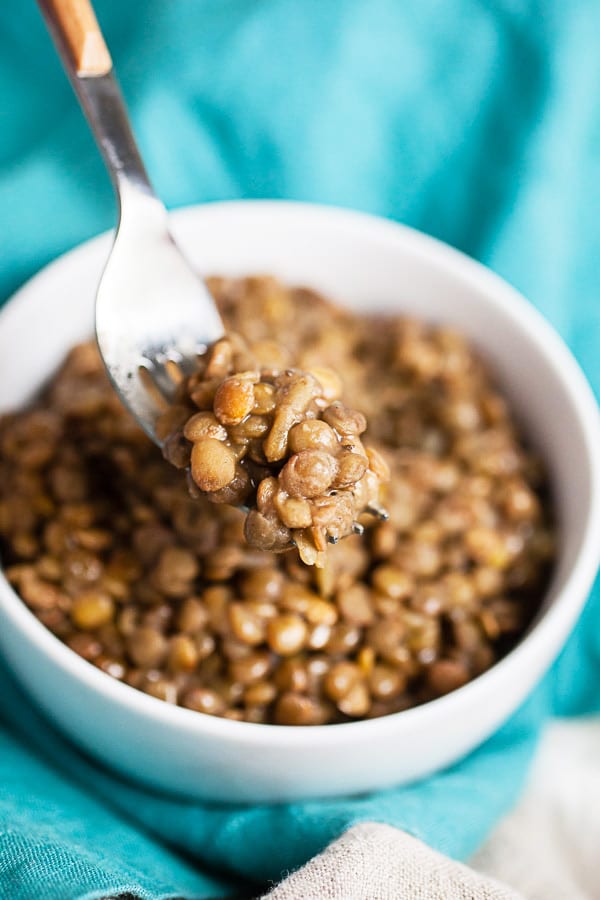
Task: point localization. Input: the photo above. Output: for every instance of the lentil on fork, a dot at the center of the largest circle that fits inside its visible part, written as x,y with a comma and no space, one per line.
278,441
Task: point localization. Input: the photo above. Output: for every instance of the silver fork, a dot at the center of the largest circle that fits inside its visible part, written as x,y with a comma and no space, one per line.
151,307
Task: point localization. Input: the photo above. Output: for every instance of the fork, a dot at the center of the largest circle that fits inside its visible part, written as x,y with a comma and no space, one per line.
153,312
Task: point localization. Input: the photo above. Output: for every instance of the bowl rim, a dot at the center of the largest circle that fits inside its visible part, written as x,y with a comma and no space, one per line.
554,623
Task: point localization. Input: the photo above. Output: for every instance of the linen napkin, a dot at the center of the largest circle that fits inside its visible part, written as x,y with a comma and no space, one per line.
474,121
383,863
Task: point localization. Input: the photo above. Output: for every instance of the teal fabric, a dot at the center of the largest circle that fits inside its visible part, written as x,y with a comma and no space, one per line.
474,120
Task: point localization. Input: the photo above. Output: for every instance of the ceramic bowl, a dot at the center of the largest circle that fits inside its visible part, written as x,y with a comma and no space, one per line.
367,264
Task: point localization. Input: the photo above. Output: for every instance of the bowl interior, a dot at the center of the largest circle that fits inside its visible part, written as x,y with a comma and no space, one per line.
366,264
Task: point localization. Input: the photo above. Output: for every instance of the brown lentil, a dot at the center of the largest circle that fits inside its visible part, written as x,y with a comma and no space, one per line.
92,610
99,535
286,634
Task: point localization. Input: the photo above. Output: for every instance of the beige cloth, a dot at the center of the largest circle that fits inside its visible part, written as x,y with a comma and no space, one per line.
547,849
377,862
549,845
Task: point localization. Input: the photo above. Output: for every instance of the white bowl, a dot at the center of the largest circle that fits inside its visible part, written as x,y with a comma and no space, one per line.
365,263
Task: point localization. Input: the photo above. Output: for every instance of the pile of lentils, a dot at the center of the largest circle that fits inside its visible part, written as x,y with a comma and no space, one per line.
279,442
101,538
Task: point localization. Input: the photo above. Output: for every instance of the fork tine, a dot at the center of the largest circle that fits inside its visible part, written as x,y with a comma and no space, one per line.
160,378
152,396
161,372
188,364
174,372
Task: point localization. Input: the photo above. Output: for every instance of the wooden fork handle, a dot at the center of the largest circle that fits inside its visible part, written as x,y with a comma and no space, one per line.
75,27
86,60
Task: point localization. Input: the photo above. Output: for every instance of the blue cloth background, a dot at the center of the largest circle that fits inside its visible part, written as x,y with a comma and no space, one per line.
475,120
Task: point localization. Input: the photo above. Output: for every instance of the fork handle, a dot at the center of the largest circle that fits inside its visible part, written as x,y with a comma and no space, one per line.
75,24
86,60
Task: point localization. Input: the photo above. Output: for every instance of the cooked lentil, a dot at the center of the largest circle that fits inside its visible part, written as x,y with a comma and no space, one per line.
161,591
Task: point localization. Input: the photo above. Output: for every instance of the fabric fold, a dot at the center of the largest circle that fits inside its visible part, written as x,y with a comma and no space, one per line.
384,863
